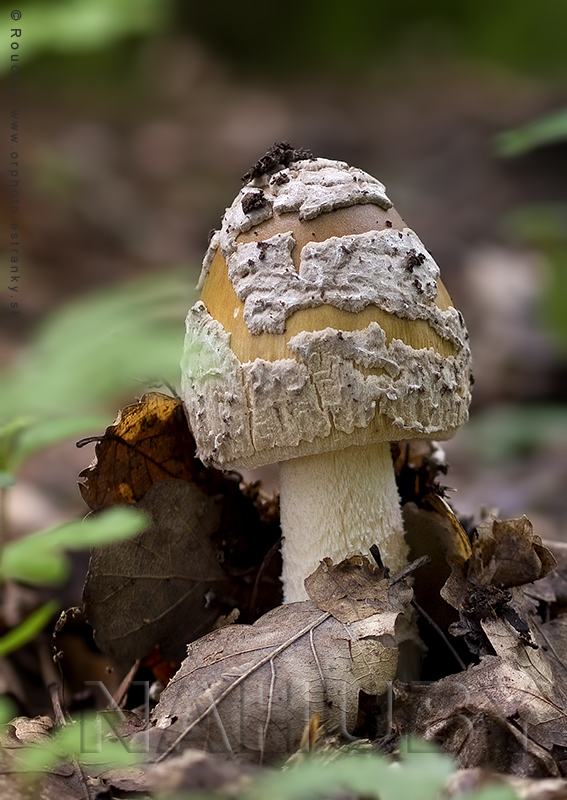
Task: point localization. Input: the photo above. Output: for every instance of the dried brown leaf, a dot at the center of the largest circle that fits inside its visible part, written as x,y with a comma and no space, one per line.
165,586
505,554
508,553
350,591
486,717
553,587
250,691
64,781
194,771
509,712
148,442
434,530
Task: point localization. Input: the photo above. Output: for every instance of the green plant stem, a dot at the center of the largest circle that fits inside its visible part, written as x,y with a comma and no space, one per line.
4,524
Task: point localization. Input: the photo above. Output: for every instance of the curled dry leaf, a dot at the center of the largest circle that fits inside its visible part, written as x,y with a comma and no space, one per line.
508,553
508,712
149,441
432,529
505,554
249,691
435,531
553,587
493,715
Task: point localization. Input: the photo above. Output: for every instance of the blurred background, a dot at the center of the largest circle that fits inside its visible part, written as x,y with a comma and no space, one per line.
137,119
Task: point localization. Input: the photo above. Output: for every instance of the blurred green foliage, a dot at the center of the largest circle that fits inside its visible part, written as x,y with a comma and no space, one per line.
40,558
544,227
509,432
421,774
82,741
86,358
322,34
67,26
523,36
549,129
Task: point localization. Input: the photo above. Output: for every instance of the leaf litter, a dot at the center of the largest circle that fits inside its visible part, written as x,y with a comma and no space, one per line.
250,691
208,551
506,712
295,678
510,694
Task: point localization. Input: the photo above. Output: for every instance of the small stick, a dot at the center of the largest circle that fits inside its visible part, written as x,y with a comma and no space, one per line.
122,691
419,562
61,717
407,571
438,630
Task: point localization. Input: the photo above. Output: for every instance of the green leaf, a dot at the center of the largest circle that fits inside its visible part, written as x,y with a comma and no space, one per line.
547,130
42,434
22,561
96,530
87,741
84,741
7,709
10,432
40,558
80,25
420,776
28,629
100,348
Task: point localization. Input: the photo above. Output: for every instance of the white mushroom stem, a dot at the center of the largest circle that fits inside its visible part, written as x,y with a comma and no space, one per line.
338,504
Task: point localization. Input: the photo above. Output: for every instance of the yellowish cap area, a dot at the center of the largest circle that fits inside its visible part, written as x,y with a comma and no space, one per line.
221,301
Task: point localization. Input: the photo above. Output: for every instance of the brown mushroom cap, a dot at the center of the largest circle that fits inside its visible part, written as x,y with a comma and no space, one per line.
402,363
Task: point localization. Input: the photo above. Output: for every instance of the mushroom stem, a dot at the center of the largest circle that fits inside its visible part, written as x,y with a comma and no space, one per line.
337,504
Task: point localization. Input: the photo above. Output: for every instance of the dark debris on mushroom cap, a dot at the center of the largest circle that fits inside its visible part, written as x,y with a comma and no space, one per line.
280,155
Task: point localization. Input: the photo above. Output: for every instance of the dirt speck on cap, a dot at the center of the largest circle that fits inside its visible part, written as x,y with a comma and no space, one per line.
280,155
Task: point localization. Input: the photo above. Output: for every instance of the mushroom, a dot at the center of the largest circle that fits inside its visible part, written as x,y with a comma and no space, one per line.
322,334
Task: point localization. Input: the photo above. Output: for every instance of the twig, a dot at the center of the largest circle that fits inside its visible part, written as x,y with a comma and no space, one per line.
438,630
120,695
403,573
407,571
62,717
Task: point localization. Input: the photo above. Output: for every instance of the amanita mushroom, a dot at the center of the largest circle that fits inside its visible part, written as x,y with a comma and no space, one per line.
322,334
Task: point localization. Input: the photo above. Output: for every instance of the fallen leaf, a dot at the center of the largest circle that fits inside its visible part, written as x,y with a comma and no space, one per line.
553,587
211,547
505,554
148,442
508,553
434,531
486,717
250,691
165,586
345,592
194,770
63,781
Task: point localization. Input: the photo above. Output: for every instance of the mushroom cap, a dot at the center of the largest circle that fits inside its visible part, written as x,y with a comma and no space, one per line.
322,324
